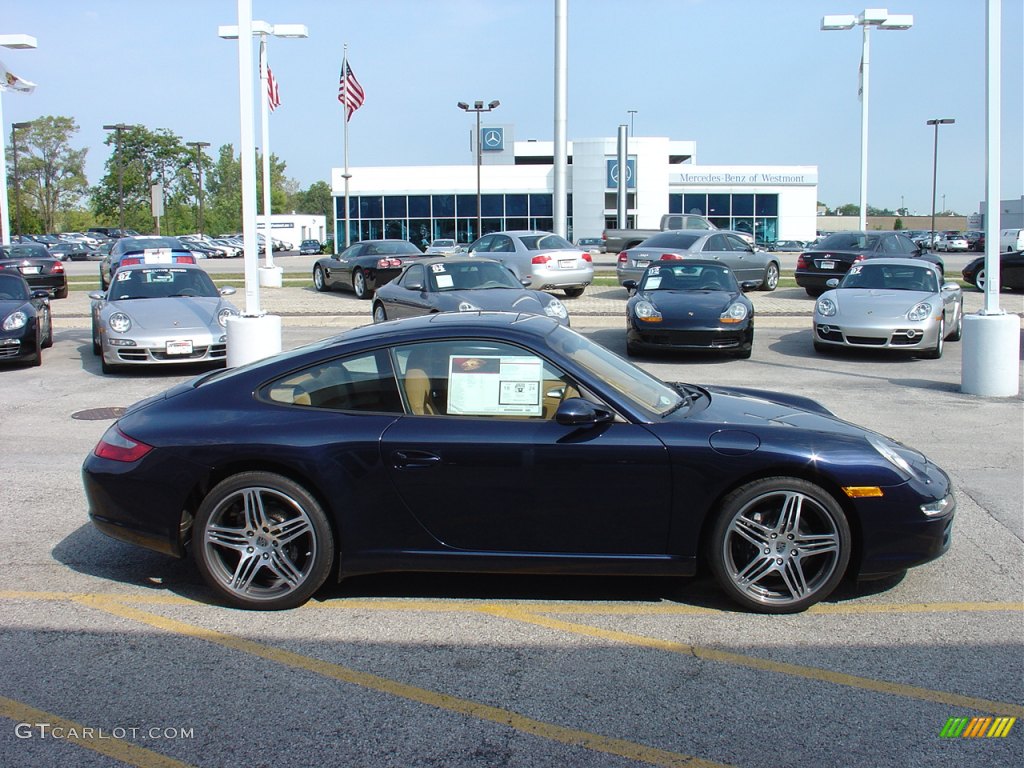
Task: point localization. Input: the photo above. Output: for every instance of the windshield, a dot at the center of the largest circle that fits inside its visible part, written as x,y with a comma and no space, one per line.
669,240
544,241
13,288
890,277
24,251
475,275
397,247
848,241
643,391
160,283
442,244
689,277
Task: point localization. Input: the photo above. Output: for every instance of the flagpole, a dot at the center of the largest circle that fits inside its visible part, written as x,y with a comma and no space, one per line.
270,276
346,176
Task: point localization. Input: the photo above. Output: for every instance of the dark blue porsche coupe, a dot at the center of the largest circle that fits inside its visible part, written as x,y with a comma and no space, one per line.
504,443
689,305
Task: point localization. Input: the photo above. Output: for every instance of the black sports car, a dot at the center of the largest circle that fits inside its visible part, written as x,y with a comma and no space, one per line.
364,266
833,256
460,284
1011,271
34,262
26,327
689,305
505,443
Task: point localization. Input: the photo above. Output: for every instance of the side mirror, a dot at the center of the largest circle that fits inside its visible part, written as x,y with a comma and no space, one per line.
414,285
630,285
577,412
832,282
97,296
40,294
227,290
950,287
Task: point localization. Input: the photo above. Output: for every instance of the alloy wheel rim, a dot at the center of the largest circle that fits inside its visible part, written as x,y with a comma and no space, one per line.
260,543
781,547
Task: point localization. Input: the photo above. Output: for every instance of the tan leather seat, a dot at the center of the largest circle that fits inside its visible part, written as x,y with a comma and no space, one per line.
418,392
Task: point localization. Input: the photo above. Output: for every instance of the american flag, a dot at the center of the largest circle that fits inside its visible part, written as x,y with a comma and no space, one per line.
273,93
350,92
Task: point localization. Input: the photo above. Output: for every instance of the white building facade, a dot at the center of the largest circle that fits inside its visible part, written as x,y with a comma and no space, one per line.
293,228
421,203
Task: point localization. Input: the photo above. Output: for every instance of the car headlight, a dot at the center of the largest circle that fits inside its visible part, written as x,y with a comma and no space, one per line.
555,308
224,314
889,452
826,307
465,306
119,322
736,313
647,312
920,312
15,320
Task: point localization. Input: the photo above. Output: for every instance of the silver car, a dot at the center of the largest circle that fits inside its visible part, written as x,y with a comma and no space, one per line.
160,314
540,260
889,304
443,247
751,267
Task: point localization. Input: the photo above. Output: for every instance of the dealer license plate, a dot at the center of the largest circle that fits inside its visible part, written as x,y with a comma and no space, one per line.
567,263
29,270
178,348
642,262
827,264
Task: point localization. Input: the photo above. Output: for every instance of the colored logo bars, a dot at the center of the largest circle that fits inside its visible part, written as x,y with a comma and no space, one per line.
977,727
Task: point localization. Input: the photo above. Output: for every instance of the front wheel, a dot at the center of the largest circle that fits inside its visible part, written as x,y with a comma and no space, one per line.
262,542
319,279
771,277
380,315
958,331
779,545
936,351
359,285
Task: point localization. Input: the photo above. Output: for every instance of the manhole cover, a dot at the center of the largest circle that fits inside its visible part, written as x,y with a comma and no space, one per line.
98,414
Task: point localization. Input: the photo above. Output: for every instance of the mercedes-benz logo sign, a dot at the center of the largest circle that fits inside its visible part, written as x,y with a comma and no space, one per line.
492,138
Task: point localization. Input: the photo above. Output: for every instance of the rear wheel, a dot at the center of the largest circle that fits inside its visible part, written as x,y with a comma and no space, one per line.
779,545
771,277
262,542
359,285
61,293
980,279
573,293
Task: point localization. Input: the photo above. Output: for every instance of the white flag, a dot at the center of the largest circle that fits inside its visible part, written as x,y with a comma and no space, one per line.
10,81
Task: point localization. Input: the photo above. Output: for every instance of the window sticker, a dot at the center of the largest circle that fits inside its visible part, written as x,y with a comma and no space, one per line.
856,269
444,281
437,268
653,282
494,385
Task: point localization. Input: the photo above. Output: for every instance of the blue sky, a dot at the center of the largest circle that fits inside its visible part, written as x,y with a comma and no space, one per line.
751,81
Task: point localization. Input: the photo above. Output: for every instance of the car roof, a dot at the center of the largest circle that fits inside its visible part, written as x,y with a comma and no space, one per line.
898,262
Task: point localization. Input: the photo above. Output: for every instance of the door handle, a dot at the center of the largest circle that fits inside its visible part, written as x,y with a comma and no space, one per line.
413,459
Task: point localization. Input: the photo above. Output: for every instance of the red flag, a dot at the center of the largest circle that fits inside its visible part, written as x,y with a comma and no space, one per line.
350,92
273,94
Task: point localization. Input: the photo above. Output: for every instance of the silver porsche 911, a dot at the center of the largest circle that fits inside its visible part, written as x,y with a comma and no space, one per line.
900,304
160,314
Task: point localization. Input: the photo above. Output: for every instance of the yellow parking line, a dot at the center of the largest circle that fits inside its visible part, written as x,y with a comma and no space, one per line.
467,707
765,665
119,749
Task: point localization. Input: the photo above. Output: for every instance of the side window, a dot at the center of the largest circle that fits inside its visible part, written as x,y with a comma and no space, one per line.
501,244
891,245
363,382
716,243
906,244
483,244
738,243
477,378
413,276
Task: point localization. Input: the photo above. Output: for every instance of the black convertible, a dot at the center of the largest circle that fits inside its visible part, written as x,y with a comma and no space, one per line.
363,267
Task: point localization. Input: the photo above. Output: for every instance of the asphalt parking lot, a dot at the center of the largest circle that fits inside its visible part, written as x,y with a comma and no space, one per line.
113,655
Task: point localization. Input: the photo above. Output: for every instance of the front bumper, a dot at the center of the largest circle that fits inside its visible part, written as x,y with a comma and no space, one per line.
907,335
708,339
159,350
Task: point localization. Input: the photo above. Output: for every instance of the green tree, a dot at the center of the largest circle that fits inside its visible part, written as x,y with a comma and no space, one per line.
897,225
51,174
316,200
224,193
850,209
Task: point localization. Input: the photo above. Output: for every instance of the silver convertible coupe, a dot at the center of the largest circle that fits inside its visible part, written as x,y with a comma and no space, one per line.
897,304
160,314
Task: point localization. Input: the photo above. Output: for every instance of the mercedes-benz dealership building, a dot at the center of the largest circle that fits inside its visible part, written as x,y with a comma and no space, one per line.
421,203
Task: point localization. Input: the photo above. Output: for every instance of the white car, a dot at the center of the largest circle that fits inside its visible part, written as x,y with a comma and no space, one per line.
950,242
443,247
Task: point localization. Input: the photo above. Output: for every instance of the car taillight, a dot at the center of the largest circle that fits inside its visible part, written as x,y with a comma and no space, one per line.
859,258
672,257
129,260
57,268
388,263
541,259
623,257
184,259
586,257
801,262
117,446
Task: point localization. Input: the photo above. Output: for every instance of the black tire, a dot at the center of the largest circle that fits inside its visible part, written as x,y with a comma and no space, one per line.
61,293
823,349
814,292
48,338
936,352
980,279
573,293
771,277
320,279
958,331
36,358
108,367
96,349
380,314
359,285
744,353
779,545
270,556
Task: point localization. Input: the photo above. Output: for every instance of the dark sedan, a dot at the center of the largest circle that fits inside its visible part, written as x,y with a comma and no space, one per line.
33,262
143,249
460,284
26,327
832,256
689,305
1011,271
75,252
504,443
363,267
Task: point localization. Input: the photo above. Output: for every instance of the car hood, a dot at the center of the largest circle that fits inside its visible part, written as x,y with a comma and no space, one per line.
741,407
179,312
7,306
698,302
875,304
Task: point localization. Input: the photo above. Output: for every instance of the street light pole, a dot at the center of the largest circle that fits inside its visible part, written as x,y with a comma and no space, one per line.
882,19
17,180
118,128
935,165
631,113
478,107
13,42
199,146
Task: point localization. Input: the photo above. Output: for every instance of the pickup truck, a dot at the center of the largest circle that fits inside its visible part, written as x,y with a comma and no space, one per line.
616,240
